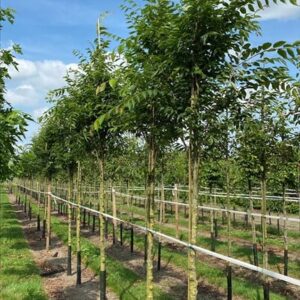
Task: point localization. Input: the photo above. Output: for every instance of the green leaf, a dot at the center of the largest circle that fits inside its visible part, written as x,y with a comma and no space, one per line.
282,53
290,52
101,88
251,7
260,4
243,10
112,82
98,123
266,46
279,44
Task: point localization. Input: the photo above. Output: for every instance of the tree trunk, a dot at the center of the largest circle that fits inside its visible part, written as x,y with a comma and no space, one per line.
102,227
263,222
162,197
176,210
285,233
252,218
114,208
150,214
70,190
48,222
193,193
38,188
212,217
228,212
78,215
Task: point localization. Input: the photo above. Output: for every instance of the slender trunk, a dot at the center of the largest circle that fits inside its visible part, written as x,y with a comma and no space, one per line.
78,244
176,210
162,204
163,199
263,221
70,190
263,179
215,215
252,218
102,227
39,205
285,233
114,208
45,205
212,237
150,214
229,242
48,221
193,194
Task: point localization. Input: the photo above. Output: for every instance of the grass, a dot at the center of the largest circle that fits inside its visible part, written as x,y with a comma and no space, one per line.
242,252
212,274
122,281
19,276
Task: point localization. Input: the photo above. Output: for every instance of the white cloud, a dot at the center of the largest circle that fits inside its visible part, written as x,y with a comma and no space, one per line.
280,11
22,95
39,112
29,86
26,69
32,81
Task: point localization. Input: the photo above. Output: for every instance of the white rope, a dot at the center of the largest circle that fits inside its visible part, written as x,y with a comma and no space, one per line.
191,246
238,212
209,208
231,260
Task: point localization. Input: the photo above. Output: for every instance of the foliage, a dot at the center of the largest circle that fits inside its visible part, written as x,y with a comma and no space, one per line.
12,122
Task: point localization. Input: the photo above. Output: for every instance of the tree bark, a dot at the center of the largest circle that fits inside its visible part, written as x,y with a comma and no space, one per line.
285,233
48,221
263,221
193,191
176,210
193,195
102,227
78,221
150,213
70,190
252,218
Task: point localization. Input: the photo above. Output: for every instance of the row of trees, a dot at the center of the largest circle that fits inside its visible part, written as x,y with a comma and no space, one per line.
186,79
12,122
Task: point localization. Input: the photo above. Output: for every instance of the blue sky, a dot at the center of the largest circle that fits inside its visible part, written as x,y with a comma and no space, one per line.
49,30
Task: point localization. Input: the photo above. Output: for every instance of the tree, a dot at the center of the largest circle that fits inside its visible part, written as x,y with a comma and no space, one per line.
13,123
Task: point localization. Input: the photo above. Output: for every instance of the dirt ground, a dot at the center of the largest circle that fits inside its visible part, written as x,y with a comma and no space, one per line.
58,286
171,279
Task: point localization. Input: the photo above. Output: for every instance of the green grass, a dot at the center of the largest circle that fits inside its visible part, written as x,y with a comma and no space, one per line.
19,276
122,281
212,274
242,252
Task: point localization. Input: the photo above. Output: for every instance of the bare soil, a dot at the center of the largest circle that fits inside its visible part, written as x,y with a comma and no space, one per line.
171,279
58,286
